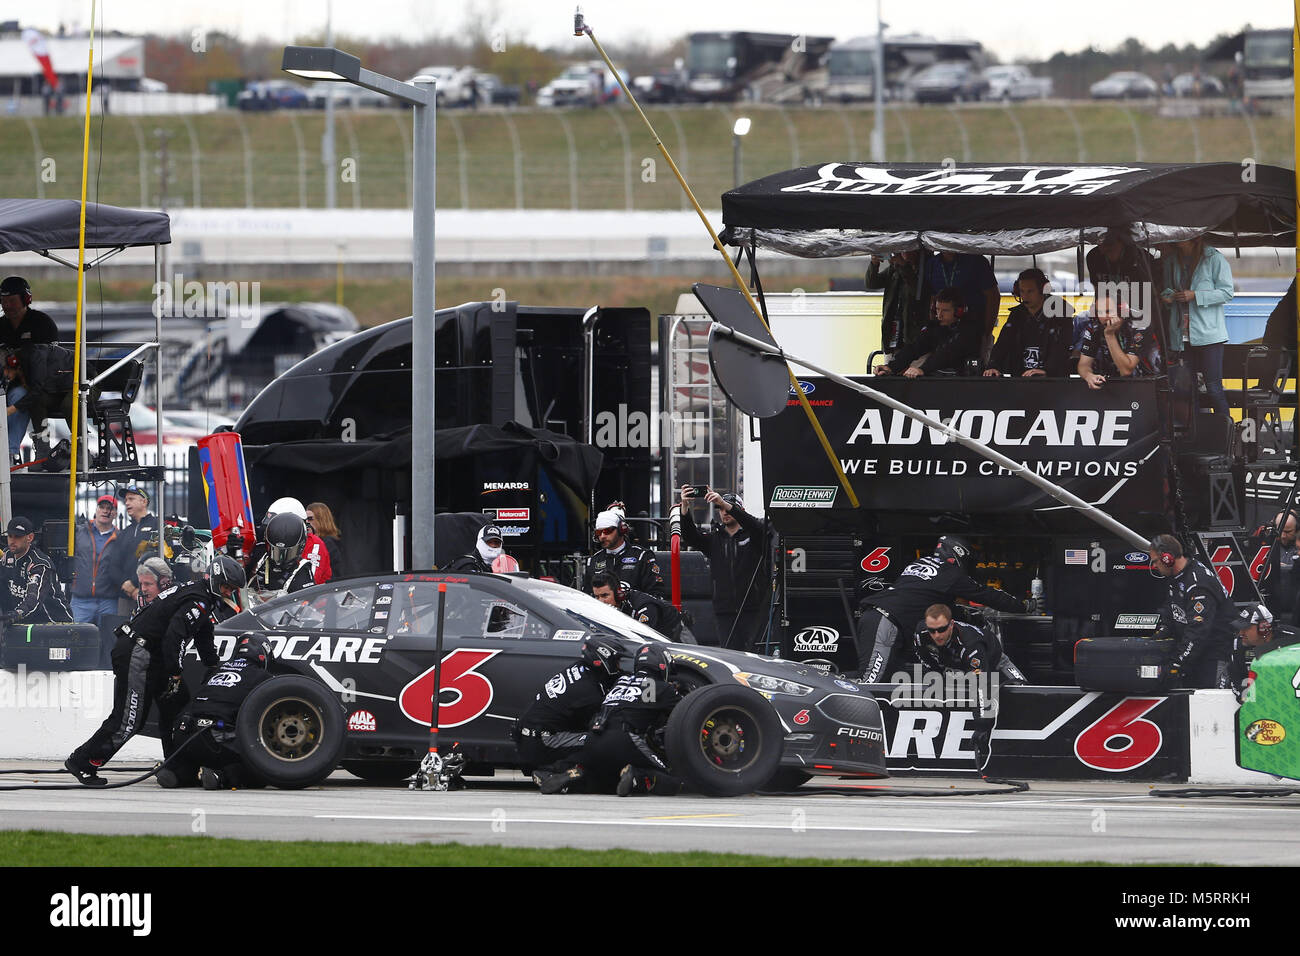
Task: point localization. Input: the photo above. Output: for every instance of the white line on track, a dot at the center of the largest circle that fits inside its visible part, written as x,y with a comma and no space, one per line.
634,823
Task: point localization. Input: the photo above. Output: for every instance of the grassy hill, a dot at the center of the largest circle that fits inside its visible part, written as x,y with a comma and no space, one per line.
584,159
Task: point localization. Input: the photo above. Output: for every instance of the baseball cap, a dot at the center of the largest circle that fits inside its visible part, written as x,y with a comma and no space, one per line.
19,525
1252,614
134,490
491,531
109,498
607,519
15,285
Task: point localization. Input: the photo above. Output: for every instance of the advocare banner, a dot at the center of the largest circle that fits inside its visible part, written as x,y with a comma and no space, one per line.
1100,445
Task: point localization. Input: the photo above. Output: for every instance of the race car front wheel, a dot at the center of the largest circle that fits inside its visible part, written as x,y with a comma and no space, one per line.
725,740
290,731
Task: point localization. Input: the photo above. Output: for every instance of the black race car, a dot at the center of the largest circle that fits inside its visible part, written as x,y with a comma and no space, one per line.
363,653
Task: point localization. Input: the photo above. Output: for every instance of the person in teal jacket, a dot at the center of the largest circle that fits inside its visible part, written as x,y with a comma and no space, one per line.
1198,283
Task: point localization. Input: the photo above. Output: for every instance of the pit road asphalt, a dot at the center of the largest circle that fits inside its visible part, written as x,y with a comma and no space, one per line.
1053,820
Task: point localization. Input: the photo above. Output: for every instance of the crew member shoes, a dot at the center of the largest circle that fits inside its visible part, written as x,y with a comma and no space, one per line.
85,771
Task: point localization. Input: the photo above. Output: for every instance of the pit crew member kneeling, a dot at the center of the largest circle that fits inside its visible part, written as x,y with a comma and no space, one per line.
147,661
1198,615
624,749
551,732
211,717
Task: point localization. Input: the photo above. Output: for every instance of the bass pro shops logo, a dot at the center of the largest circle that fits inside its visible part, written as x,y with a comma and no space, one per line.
1032,181
817,640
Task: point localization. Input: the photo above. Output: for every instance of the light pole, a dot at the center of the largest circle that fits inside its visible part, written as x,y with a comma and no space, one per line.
326,63
878,132
737,131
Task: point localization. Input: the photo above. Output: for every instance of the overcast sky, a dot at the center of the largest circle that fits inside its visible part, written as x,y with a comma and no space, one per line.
1012,29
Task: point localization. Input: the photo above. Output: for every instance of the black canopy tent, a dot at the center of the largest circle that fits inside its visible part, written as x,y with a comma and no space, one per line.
42,225
839,209
38,225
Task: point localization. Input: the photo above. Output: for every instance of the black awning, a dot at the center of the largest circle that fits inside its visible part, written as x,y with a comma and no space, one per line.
34,225
854,208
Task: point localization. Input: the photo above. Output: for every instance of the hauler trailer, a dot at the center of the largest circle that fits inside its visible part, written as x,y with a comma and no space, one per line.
1139,455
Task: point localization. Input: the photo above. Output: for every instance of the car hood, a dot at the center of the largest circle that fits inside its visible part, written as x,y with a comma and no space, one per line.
712,660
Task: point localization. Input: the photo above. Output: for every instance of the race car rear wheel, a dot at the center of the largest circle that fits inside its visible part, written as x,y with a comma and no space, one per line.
290,732
725,740
381,771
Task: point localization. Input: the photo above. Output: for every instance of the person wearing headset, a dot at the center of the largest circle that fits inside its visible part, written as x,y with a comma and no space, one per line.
1036,339
632,564
24,325
1198,615
947,343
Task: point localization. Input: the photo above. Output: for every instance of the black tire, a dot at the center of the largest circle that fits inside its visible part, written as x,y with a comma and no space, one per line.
381,771
290,732
725,740
786,779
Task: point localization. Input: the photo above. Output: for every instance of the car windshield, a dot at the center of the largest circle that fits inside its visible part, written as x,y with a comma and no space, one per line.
1268,50
852,63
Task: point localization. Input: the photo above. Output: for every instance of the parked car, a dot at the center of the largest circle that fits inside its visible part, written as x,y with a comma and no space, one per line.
948,83
1014,82
1125,85
1189,84
574,87
345,95
663,86
448,77
265,95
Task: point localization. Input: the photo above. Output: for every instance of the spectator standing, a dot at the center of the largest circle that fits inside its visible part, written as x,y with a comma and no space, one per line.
735,550
906,300
95,586
320,521
133,541
1198,283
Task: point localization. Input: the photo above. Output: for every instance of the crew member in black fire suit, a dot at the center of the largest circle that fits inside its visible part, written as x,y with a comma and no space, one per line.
1258,632
735,551
621,753
283,569
632,564
30,592
646,608
944,644
1198,615
147,662
939,579
554,728
487,548
211,716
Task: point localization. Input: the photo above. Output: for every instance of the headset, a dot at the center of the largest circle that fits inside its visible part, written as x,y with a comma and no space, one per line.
1166,549
624,529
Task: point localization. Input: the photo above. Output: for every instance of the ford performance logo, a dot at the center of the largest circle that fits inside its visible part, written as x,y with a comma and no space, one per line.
808,389
1137,557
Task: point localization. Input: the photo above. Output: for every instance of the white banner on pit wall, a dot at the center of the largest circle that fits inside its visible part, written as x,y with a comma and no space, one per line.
45,715
1212,731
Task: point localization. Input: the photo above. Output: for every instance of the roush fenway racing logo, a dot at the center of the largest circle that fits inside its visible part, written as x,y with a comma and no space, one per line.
472,691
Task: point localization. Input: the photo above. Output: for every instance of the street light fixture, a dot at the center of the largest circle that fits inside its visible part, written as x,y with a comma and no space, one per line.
740,129
327,63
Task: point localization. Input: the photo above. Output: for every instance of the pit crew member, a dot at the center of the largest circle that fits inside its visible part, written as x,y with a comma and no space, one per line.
1198,615
632,564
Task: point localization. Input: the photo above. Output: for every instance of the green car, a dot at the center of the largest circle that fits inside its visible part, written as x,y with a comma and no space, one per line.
1268,723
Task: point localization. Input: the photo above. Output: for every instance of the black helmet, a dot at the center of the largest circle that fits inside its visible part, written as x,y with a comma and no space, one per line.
653,661
953,548
225,571
602,654
286,533
254,649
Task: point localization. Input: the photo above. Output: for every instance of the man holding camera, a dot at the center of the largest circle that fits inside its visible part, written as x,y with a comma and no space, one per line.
735,549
